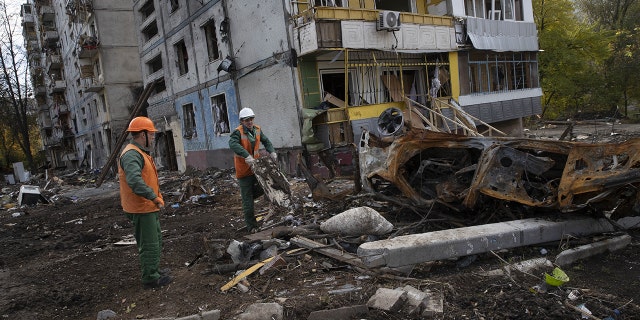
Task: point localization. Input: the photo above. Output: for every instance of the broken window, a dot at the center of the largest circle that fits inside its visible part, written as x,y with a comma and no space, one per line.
173,5
160,86
182,57
147,9
376,78
212,40
490,72
396,5
155,64
189,121
150,31
220,115
333,82
331,3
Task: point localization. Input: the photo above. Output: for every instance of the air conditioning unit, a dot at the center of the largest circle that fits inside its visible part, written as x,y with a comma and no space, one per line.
389,21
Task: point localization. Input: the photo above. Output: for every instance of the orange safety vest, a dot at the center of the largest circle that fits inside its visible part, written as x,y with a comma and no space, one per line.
131,202
242,168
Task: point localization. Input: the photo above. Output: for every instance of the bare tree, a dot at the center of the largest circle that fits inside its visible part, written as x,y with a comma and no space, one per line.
15,114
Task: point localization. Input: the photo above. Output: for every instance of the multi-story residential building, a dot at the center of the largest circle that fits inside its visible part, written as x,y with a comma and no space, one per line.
284,58
211,58
86,76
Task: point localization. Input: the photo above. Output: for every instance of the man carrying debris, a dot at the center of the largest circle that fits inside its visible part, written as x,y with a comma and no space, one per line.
245,143
141,199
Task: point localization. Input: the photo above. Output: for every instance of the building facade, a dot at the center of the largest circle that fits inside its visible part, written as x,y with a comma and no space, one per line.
85,69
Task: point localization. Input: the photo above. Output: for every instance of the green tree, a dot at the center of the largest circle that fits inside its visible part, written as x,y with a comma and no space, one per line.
622,19
17,113
571,56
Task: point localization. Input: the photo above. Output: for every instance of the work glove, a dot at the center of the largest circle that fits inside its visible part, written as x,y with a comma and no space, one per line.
159,202
274,156
250,161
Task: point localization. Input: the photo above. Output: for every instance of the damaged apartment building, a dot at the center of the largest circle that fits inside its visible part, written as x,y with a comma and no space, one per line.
316,73
85,74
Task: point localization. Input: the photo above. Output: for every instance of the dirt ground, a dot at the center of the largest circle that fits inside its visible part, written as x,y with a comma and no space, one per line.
61,261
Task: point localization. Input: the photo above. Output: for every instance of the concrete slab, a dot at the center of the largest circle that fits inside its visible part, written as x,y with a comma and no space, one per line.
572,255
434,306
445,244
387,299
345,313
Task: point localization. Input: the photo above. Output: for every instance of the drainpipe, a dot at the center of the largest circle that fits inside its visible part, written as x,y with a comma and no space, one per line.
295,84
232,54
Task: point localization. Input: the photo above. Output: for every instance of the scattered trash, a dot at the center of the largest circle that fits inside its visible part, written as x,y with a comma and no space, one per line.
585,312
556,278
574,295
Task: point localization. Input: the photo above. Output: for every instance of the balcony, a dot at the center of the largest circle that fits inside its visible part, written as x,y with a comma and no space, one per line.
91,85
88,46
27,16
79,10
33,45
337,27
51,37
54,62
58,86
28,20
52,141
44,121
40,90
47,13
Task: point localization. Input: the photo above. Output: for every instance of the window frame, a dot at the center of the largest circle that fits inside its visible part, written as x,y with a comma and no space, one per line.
218,124
189,121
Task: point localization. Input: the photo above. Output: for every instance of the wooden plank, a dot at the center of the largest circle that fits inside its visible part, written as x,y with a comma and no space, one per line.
329,252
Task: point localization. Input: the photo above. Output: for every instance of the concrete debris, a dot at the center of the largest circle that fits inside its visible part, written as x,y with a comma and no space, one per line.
106,314
387,299
572,255
357,222
408,300
260,311
523,266
344,313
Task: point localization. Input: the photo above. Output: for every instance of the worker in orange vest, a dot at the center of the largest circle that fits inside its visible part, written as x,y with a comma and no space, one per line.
141,199
245,143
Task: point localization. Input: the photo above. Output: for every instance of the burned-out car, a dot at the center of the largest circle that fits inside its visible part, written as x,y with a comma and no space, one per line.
462,172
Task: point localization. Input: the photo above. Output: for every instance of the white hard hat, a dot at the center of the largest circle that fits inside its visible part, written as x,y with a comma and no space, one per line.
246,113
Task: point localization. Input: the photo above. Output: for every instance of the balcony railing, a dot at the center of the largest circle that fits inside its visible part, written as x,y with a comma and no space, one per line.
54,62
92,85
33,45
58,86
28,19
47,13
40,90
51,37
88,46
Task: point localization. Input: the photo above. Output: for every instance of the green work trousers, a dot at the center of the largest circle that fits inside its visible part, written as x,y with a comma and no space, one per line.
149,240
249,191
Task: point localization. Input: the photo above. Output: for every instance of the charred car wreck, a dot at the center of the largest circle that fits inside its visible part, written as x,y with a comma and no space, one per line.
463,172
